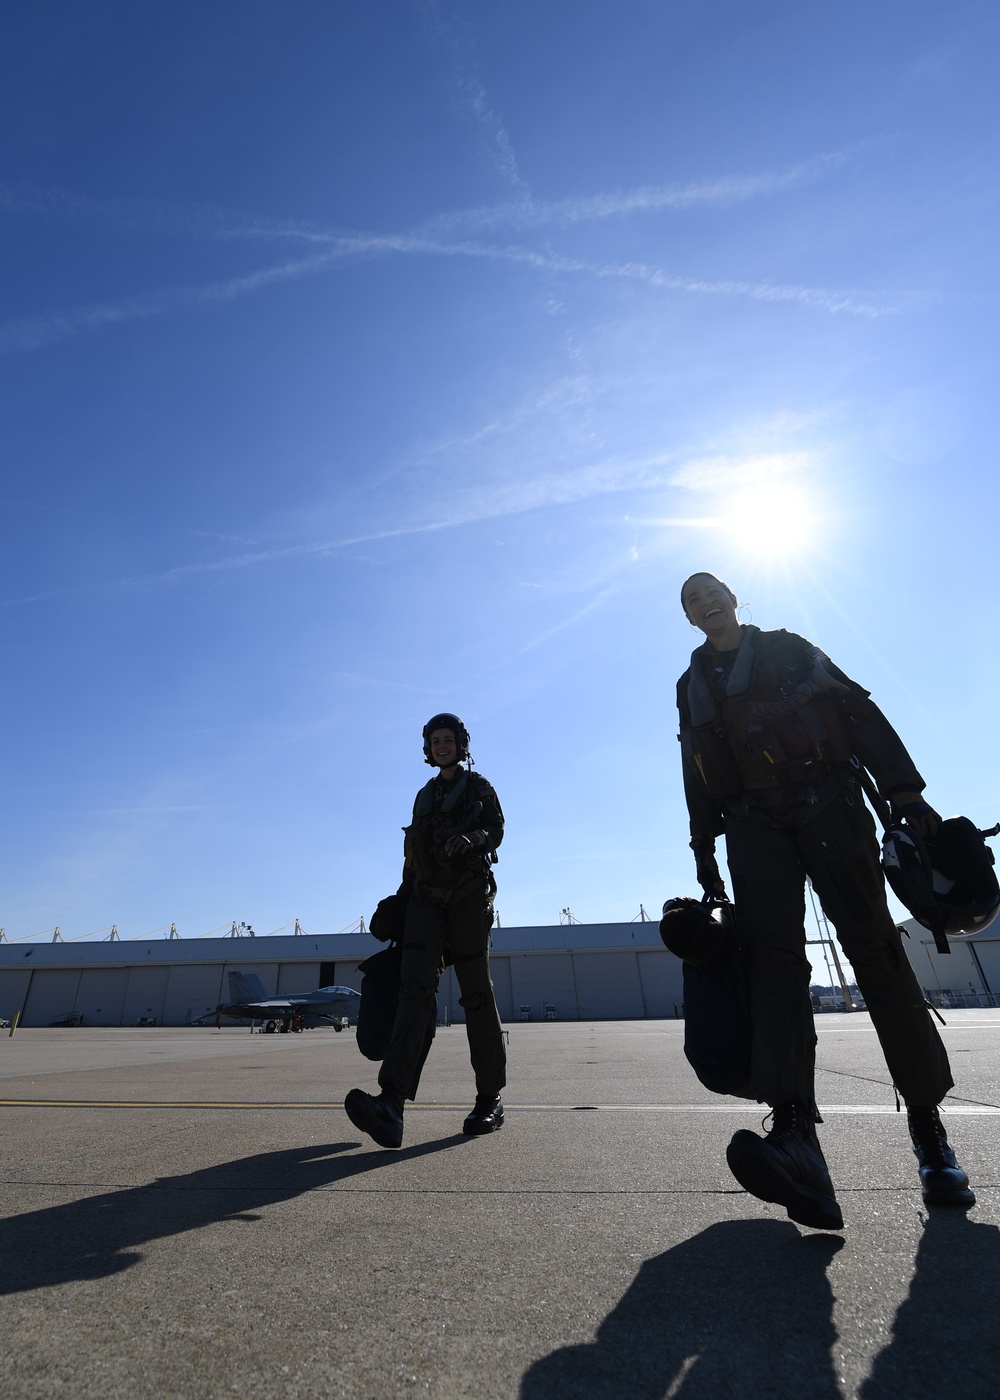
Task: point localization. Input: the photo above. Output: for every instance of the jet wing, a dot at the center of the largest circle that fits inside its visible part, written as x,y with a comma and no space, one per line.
325,1004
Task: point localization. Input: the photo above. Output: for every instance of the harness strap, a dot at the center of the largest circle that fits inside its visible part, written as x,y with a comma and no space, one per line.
701,701
811,800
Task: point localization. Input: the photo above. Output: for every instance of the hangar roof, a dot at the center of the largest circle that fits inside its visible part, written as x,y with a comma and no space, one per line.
327,947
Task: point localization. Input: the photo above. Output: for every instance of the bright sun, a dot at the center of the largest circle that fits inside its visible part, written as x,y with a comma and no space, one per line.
774,519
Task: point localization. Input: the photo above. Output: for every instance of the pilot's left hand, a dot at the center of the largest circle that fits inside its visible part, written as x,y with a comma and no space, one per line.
910,807
461,845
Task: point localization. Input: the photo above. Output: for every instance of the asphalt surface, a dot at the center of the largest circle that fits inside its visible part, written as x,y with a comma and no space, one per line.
190,1213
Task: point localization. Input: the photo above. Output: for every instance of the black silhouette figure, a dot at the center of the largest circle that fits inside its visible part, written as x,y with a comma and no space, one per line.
101,1235
742,1310
946,1337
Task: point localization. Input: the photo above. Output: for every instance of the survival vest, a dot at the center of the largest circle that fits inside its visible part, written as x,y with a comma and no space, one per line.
775,722
438,815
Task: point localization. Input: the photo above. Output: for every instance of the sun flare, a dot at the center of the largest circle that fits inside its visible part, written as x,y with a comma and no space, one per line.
777,520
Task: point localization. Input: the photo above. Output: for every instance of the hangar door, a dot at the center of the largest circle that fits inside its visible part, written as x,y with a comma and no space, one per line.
192,991
298,977
101,995
607,985
662,978
52,995
449,992
13,990
147,991
500,972
540,978
346,974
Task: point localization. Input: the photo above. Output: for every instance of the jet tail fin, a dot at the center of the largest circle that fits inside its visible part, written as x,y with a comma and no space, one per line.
246,986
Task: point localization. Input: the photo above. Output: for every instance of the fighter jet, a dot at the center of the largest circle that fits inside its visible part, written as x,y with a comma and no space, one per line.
334,1006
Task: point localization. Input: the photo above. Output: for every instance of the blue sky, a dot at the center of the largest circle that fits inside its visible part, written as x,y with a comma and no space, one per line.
368,359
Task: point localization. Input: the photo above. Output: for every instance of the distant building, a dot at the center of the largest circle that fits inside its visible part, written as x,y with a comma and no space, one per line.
832,998
967,976
566,972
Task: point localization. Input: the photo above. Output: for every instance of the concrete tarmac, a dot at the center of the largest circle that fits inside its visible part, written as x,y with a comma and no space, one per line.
190,1213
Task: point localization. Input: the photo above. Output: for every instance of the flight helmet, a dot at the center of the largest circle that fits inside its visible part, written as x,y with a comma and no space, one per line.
446,721
699,931
947,881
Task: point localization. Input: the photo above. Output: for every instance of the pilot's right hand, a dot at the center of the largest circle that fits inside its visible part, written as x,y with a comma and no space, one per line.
708,873
910,806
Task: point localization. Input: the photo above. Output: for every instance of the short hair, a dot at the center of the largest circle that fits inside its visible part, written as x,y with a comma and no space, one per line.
703,573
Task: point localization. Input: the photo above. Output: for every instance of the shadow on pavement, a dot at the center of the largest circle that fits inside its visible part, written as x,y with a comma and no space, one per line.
946,1337
743,1309
98,1236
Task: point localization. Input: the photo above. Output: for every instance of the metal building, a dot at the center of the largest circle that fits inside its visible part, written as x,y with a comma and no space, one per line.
570,972
967,976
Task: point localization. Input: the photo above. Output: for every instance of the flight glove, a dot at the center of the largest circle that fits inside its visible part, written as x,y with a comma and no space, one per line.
909,806
709,876
467,841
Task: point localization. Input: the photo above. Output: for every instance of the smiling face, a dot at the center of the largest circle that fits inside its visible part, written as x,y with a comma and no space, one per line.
444,749
711,607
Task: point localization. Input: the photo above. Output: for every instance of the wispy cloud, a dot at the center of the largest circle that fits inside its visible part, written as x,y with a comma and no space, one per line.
446,235
571,621
562,398
829,299
352,678
217,535
53,327
249,559
714,192
452,28
537,489
686,522
212,221
150,216
727,473
498,500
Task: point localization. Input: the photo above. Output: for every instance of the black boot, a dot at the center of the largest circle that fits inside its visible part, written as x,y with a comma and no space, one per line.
486,1115
787,1167
943,1180
381,1118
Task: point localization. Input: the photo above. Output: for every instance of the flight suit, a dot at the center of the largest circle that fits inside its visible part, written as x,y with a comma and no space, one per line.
773,736
448,919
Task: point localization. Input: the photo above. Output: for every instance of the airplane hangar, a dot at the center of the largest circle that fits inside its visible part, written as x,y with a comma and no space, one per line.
617,971
575,972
